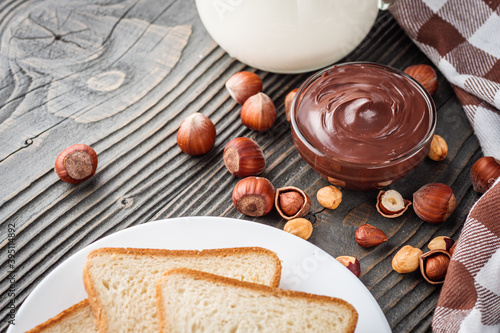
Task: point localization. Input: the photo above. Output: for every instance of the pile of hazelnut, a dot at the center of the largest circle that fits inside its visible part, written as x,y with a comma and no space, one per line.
244,158
433,264
256,196
196,134
433,203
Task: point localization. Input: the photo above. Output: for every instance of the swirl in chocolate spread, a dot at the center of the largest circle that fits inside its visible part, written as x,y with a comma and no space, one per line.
363,113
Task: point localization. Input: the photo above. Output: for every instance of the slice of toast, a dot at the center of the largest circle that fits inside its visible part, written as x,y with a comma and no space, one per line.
76,319
194,301
121,282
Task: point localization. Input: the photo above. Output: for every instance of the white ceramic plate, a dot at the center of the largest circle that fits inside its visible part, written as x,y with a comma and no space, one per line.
305,267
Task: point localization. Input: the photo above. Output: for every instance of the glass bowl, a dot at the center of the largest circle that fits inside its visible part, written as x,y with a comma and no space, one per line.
362,125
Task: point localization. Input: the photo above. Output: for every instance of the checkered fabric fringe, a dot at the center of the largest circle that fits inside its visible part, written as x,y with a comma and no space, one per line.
462,38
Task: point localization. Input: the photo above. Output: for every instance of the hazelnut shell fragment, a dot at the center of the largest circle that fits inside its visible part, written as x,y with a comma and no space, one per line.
368,236
243,157
76,163
299,227
434,202
484,173
291,202
254,196
351,263
434,265
392,199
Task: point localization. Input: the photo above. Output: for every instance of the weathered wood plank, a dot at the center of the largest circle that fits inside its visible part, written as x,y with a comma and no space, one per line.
142,174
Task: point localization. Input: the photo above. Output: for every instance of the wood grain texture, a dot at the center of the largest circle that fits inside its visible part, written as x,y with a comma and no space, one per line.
73,73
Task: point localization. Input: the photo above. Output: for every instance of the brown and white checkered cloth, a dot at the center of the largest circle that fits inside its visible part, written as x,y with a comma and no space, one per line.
470,298
462,38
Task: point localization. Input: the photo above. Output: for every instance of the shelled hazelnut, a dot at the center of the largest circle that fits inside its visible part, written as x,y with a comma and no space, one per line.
439,148
391,204
425,75
351,263
434,203
258,112
329,197
76,164
243,157
484,173
368,236
291,202
407,259
299,227
434,265
254,196
338,182
288,103
441,243
196,134
242,85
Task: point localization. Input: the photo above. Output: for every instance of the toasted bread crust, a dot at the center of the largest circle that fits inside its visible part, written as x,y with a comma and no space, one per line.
56,320
249,285
95,302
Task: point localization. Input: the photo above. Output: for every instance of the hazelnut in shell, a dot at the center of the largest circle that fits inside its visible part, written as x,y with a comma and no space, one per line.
434,202
434,265
425,75
254,196
391,204
299,227
242,85
76,164
258,112
407,259
291,202
351,263
484,173
243,157
196,134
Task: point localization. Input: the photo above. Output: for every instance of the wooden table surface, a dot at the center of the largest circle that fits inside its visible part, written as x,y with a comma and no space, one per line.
96,72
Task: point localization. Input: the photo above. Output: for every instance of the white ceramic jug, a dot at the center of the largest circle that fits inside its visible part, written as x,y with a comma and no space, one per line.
288,36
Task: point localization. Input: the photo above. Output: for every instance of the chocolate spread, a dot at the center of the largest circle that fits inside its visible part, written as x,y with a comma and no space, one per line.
363,113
